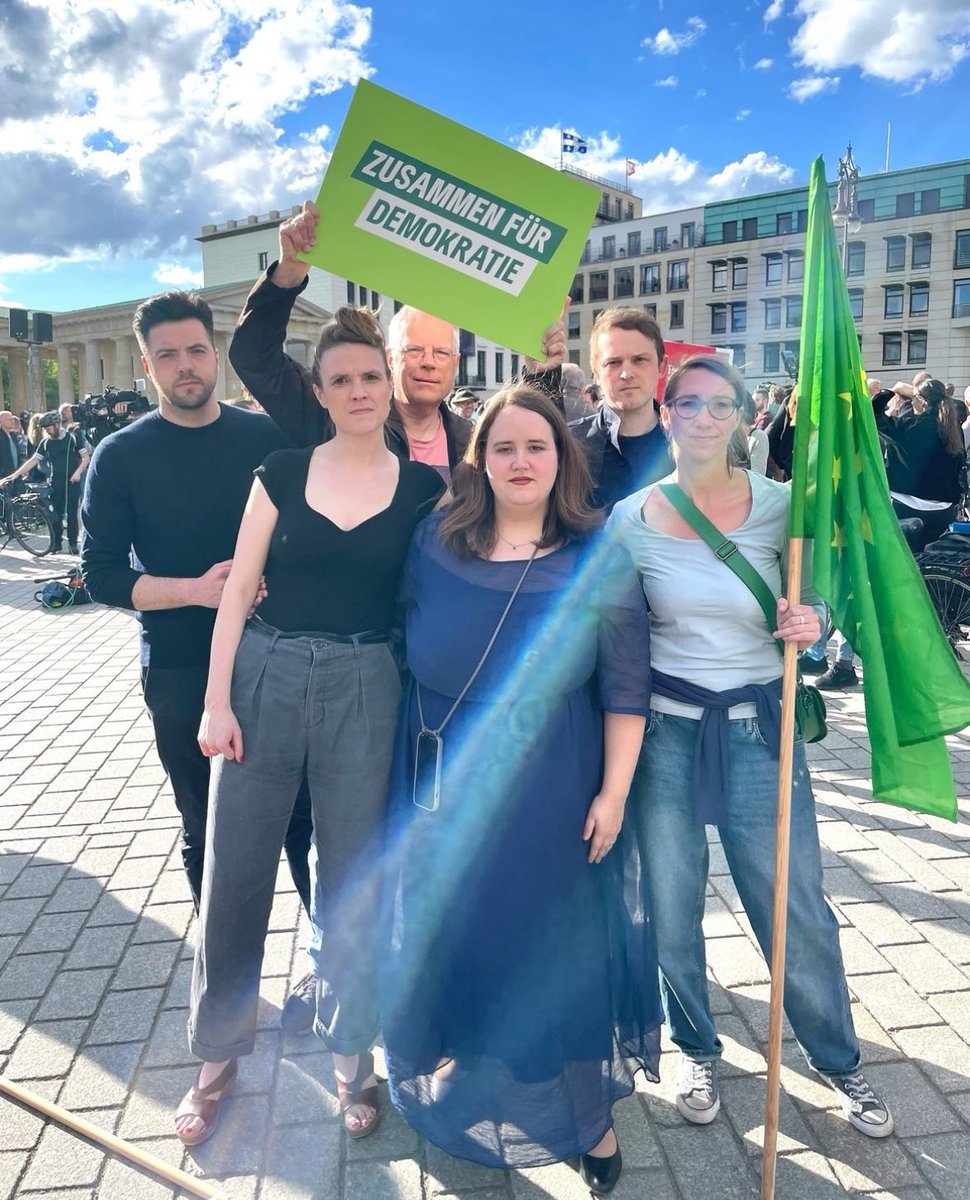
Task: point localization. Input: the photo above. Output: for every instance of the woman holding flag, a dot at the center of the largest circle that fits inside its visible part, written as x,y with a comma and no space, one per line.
711,749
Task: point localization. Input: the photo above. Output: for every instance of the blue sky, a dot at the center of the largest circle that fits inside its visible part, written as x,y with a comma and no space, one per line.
125,125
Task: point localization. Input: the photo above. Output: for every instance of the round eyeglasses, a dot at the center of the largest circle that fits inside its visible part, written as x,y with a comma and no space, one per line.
438,353
687,407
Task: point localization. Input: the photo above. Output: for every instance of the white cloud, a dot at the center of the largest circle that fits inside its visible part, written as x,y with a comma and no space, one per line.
669,180
125,124
763,64
666,42
774,10
897,40
669,81
178,275
742,114
811,86
701,93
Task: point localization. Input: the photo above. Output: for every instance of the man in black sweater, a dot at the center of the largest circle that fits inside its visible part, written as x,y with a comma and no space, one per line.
162,506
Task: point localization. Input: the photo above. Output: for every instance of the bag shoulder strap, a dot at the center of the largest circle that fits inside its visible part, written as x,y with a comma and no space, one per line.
726,550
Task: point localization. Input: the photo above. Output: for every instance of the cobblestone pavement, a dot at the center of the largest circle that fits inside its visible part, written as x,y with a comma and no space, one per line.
96,945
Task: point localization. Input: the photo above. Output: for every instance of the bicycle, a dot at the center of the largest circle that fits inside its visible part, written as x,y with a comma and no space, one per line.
26,519
945,567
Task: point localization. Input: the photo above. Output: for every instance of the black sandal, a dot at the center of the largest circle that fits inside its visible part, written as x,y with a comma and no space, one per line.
354,1093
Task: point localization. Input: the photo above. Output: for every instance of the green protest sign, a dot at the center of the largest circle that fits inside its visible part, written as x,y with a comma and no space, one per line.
433,214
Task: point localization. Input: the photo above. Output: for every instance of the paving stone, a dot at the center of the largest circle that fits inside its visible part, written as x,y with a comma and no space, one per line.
74,994
842,885
299,1167
163,922
21,1128
148,965
735,962
950,937
169,1045
126,1016
119,908
397,1140
11,865
397,1180
75,895
945,1161
926,969
862,1164
101,1076
806,1176
35,881
123,1181
100,947
99,861
238,1148
16,915
14,1015
714,1166
62,1160
304,1091
54,931
743,1102
152,1103
46,1050
881,926
12,1164
954,1008
28,975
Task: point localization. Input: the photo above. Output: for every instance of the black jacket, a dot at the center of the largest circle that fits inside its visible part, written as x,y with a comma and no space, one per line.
613,478
283,386
917,461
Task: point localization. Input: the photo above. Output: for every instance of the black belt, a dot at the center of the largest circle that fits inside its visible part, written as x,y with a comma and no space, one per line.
368,637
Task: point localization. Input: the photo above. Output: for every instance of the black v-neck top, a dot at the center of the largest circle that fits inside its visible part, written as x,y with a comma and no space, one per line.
326,579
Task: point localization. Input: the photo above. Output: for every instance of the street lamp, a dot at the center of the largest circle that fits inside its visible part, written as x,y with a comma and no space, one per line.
845,213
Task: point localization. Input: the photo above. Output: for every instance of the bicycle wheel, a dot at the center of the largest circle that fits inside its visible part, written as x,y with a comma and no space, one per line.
951,599
32,528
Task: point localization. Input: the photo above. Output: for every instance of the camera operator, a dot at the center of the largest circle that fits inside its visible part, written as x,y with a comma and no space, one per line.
66,455
108,412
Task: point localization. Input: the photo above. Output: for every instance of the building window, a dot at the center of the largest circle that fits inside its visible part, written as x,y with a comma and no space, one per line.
783,223
650,310
739,317
793,311
649,279
772,314
893,305
916,347
718,318
961,256
729,231
919,299
856,258
789,358
584,257
905,204
572,318
961,297
796,266
462,379
676,314
737,355
687,235
351,293
604,208
895,253
892,349
617,208
929,200
922,250
499,366
739,273
608,248
482,368
801,223
749,228
867,210
599,285
719,277
514,359
398,305
855,302
772,268
633,243
375,300
660,238
576,291
770,362
263,259
622,283
677,279
629,210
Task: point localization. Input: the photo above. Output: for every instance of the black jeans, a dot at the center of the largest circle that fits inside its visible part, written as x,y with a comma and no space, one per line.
65,501
175,698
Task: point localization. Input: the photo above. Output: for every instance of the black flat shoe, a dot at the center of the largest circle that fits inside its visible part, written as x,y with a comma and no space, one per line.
600,1174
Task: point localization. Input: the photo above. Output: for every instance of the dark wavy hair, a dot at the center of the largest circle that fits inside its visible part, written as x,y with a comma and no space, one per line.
468,524
942,406
351,326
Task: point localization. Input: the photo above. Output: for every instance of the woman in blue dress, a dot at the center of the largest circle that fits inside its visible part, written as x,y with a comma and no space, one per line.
520,989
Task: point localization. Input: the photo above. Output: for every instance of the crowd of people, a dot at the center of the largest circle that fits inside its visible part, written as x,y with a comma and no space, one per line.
476,670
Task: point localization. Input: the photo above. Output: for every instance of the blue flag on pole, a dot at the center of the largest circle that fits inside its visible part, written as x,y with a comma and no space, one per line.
572,142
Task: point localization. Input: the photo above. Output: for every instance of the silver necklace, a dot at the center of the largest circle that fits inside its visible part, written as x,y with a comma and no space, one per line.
517,545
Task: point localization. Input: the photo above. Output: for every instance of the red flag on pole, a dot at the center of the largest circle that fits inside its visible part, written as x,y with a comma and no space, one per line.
631,166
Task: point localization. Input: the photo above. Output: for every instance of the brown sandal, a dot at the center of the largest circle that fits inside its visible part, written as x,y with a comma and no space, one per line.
353,1093
198,1102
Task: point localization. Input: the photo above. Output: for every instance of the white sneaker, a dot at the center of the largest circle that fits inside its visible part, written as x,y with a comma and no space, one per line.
697,1096
861,1105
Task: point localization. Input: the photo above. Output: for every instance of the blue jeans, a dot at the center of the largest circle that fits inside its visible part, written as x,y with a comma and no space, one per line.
675,847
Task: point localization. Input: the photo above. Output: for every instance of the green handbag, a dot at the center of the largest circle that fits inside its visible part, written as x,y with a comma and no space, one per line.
810,711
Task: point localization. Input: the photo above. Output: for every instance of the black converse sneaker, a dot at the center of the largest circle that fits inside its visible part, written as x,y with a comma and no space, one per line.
861,1105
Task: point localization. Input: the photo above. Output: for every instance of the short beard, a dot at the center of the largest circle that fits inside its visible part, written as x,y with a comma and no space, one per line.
194,404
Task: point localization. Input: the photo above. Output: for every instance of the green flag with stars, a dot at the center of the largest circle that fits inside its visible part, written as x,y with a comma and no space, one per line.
862,567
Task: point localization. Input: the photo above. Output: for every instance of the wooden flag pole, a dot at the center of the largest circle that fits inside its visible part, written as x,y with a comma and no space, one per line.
780,913
140,1158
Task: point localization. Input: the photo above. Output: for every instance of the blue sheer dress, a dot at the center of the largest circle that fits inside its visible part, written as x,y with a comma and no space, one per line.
519,982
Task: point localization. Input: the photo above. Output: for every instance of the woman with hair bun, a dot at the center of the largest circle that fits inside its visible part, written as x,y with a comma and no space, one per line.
309,686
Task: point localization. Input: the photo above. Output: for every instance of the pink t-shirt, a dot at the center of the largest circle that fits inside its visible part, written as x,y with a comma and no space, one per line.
433,452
